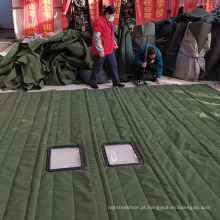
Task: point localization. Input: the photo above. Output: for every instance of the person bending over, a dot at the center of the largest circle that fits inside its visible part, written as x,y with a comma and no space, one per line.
153,62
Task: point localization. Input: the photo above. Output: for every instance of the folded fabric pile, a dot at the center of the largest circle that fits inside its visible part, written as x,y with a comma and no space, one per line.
46,62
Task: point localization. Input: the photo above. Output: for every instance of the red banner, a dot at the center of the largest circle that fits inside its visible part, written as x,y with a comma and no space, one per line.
46,16
138,12
190,5
117,5
175,4
30,17
161,9
65,7
107,2
93,9
208,5
148,7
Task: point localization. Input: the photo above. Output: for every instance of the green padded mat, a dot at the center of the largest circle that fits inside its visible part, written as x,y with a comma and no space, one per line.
175,128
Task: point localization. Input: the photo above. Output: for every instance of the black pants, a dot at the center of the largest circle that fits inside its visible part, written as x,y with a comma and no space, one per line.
152,68
97,66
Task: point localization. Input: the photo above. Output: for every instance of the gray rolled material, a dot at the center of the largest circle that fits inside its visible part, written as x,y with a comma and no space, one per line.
142,32
190,63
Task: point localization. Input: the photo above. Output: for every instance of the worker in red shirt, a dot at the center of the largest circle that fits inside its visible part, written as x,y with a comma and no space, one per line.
102,47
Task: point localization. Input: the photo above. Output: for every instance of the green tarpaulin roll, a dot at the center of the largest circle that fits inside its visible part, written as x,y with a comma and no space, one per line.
212,58
51,62
125,56
84,75
190,63
169,61
144,32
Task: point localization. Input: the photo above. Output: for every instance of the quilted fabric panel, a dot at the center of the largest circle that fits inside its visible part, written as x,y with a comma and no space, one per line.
176,131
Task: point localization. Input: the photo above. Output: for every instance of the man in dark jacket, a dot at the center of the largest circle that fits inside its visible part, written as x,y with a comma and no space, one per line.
153,63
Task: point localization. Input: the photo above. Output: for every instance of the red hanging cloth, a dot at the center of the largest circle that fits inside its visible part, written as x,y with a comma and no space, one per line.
93,10
138,12
107,2
208,5
161,10
65,7
117,5
189,6
148,8
31,17
46,16
175,4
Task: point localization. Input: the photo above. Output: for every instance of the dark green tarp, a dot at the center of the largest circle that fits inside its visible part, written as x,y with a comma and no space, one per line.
169,61
124,54
84,75
175,128
212,58
165,27
51,62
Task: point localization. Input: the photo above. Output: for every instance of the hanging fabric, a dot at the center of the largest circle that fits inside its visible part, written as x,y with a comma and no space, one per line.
175,4
138,12
161,10
46,16
107,2
190,63
93,10
208,5
117,5
148,13
65,7
190,5
148,10
30,17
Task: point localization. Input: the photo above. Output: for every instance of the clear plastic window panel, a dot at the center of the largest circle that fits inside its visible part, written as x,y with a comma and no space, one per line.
121,154
64,158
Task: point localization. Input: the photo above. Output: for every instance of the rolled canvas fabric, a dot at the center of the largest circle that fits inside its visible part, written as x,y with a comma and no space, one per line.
170,57
144,32
190,62
124,54
212,58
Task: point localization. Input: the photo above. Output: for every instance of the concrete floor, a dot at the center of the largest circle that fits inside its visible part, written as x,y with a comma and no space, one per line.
164,80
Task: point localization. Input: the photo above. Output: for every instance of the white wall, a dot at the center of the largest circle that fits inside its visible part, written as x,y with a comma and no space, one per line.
5,14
